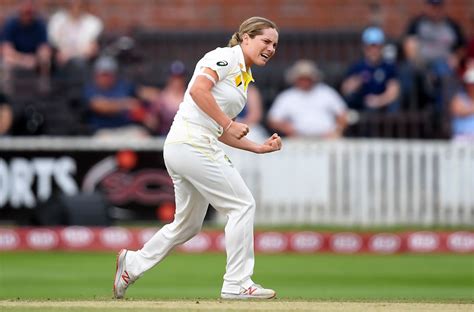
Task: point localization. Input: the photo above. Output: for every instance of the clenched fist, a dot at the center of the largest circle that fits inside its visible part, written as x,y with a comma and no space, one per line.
272,144
238,130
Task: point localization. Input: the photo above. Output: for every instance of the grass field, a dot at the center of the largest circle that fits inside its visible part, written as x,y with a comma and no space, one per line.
32,278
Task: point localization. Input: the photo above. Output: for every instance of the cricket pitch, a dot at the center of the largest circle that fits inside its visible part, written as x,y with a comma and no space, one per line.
227,305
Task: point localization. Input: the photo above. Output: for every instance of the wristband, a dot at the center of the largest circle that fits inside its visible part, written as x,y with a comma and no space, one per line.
228,126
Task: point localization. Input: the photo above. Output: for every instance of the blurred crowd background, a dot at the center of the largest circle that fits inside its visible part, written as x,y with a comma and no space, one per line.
118,68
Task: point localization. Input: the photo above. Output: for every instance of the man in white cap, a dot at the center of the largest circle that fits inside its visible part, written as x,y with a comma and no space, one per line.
310,108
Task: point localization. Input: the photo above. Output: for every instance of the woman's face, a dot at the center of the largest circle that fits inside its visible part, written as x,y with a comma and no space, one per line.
260,49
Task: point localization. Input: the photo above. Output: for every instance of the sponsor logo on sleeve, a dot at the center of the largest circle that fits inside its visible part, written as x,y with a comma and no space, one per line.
222,63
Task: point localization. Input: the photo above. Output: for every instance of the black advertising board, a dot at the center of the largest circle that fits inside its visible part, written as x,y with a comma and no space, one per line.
134,182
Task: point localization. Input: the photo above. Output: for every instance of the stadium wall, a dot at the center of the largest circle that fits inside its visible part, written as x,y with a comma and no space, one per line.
323,15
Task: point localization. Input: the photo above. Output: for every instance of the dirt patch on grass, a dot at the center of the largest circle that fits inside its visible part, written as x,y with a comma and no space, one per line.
226,305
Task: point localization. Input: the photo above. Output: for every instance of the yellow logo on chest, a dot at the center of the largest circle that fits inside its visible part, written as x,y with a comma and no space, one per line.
247,79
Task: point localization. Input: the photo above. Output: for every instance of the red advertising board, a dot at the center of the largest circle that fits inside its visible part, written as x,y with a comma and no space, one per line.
77,238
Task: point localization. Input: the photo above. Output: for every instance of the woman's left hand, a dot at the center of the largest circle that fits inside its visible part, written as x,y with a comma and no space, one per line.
272,144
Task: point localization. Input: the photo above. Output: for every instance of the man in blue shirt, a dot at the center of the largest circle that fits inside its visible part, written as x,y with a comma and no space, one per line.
112,103
25,40
372,84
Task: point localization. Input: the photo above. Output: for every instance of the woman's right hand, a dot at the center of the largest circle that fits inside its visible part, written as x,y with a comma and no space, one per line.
237,130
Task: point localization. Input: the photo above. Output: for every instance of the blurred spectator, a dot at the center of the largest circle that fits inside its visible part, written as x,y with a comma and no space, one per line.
252,115
433,38
6,115
114,108
25,41
371,84
74,33
165,103
433,48
309,108
462,106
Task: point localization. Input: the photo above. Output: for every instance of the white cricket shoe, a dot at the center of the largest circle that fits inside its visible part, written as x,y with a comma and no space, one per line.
253,292
122,278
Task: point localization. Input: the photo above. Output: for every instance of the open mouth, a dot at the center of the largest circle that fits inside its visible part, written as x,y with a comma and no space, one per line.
265,56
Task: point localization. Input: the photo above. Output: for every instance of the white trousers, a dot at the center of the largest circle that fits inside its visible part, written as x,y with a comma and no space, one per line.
203,174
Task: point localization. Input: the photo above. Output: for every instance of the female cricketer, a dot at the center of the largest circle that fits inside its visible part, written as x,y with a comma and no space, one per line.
199,168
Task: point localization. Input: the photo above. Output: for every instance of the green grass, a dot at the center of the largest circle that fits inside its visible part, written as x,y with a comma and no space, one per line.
81,276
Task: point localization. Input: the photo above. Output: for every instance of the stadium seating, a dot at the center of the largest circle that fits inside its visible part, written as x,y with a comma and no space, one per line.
60,112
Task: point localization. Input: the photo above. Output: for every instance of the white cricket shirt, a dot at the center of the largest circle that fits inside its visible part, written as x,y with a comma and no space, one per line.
230,93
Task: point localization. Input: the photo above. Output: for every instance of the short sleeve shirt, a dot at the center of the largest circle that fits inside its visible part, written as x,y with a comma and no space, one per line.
73,35
121,89
374,77
436,38
312,113
230,91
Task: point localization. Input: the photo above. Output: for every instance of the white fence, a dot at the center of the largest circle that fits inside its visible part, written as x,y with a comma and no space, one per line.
362,182
345,182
